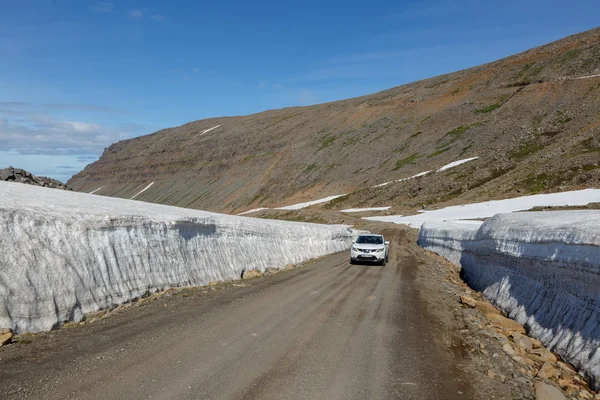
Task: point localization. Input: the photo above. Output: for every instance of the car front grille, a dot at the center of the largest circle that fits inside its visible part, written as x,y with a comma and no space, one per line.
367,250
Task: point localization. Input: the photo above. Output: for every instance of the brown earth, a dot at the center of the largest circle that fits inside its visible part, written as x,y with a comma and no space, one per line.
534,126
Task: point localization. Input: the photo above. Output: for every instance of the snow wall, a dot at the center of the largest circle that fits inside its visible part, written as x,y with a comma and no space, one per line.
541,268
66,254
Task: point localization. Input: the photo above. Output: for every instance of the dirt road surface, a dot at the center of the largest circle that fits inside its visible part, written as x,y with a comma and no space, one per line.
329,330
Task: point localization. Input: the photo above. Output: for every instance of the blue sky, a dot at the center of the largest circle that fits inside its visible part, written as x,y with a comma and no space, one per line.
76,76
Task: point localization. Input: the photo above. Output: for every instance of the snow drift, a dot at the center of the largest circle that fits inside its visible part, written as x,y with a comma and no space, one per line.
541,268
65,254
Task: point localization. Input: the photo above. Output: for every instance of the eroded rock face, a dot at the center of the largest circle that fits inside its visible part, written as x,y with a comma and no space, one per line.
19,175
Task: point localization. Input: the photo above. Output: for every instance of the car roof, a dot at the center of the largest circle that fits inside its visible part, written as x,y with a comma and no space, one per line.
370,234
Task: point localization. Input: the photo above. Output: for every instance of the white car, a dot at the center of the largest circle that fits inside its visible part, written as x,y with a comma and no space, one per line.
370,248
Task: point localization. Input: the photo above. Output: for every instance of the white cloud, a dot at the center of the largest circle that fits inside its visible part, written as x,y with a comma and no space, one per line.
137,13
158,17
41,134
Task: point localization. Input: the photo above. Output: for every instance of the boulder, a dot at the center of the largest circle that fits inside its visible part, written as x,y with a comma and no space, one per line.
543,391
547,371
486,307
505,323
5,338
252,273
271,270
468,301
544,354
7,174
289,267
213,283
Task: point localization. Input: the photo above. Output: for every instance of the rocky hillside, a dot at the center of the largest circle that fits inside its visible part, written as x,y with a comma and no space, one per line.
19,175
533,120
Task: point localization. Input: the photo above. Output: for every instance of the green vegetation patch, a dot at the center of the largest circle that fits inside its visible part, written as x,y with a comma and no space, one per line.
438,152
537,183
455,134
488,108
310,167
526,149
327,141
401,163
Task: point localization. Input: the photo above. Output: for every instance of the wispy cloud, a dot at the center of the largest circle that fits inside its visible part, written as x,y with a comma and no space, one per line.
158,17
102,7
20,107
137,13
47,136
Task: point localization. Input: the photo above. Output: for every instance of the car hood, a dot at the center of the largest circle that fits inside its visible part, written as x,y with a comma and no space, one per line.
368,245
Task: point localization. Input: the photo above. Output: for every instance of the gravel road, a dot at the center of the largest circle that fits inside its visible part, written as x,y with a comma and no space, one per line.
328,330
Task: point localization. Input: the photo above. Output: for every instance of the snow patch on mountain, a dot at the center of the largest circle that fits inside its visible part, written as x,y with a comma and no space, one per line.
490,208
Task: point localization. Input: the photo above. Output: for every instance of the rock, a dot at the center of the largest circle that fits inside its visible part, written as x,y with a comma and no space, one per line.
468,300
213,283
289,267
524,343
535,343
239,285
505,323
544,354
543,391
271,270
486,307
22,176
5,338
7,174
250,274
508,349
5,330
566,368
547,371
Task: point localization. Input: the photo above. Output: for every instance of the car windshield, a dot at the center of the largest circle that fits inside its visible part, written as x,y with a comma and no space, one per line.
370,240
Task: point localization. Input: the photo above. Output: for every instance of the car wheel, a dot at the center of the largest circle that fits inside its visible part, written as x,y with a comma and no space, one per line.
352,261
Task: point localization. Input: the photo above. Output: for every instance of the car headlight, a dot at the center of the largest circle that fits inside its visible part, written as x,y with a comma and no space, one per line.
381,249
354,248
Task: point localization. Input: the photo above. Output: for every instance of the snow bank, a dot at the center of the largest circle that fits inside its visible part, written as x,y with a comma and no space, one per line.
310,203
403,179
254,210
541,268
456,163
490,208
65,254
357,210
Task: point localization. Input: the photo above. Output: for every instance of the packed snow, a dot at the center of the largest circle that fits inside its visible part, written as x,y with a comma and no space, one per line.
490,208
66,254
310,203
357,210
541,268
456,163
96,190
208,130
403,179
254,210
142,191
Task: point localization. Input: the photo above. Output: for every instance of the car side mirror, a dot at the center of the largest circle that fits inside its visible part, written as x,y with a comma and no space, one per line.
387,243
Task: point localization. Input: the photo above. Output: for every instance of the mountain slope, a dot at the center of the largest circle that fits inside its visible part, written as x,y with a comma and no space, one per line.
533,125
